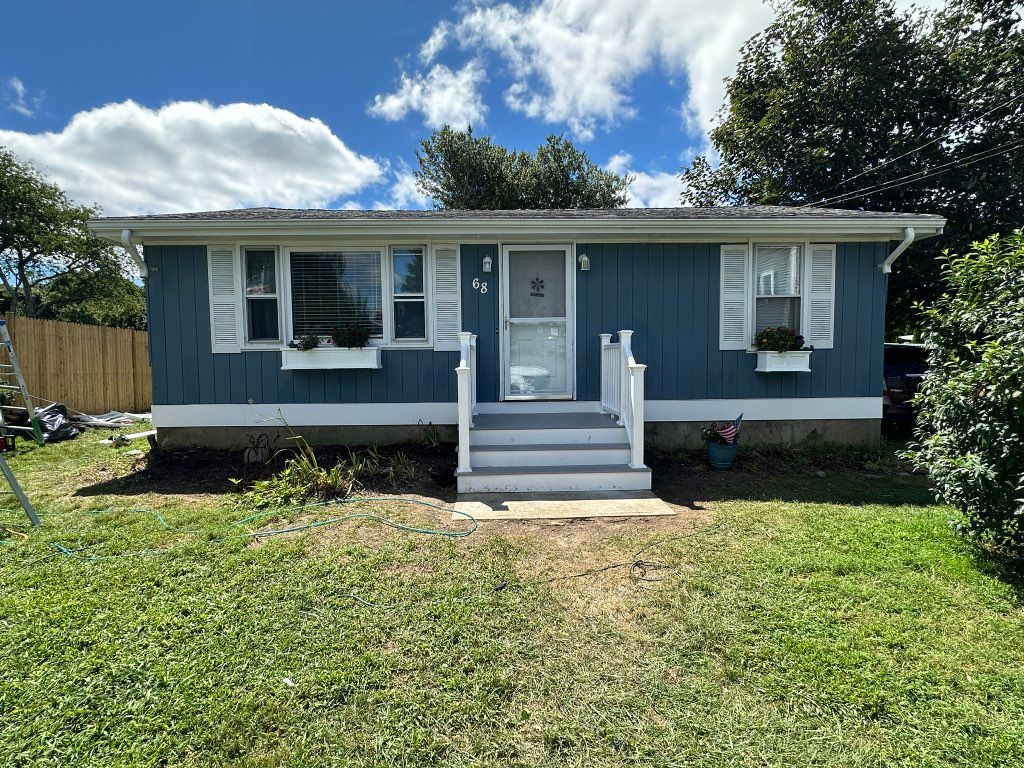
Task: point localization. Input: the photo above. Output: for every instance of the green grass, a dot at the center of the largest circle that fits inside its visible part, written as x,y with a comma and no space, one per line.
807,621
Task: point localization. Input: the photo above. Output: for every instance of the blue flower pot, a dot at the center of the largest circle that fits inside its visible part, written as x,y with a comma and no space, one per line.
721,456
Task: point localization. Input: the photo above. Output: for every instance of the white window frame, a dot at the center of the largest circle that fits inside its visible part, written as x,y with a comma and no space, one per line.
805,278
270,343
387,339
428,282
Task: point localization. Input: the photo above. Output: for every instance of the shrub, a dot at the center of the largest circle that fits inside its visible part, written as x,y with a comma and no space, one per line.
305,343
780,339
354,335
970,433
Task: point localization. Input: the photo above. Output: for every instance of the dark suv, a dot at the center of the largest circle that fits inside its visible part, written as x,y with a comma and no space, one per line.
905,366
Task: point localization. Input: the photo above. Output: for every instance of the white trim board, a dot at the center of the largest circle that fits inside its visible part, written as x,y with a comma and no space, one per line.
765,409
385,414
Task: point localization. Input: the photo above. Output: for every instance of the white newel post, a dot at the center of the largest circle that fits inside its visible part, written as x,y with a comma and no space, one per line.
626,352
465,386
636,376
606,393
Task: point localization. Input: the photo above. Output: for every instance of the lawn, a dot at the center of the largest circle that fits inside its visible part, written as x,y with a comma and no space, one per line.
822,617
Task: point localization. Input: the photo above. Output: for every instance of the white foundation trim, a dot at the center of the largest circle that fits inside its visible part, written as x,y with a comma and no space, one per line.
303,414
766,409
382,414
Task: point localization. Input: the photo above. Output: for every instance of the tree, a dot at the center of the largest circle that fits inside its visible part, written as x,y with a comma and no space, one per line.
43,236
105,297
460,170
852,104
970,434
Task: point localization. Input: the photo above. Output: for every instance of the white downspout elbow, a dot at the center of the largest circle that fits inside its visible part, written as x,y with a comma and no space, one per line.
908,238
133,251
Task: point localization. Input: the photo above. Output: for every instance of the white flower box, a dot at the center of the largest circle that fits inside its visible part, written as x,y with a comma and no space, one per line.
330,358
784,362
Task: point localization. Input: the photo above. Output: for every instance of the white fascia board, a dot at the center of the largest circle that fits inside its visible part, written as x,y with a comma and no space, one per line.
493,230
381,414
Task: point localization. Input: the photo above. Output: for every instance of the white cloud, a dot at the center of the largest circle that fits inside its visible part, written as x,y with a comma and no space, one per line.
405,195
435,43
20,100
654,189
574,61
193,156
442,95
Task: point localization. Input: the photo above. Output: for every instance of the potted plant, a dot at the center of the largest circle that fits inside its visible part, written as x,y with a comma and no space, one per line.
721,452
781,349
351,336
305,343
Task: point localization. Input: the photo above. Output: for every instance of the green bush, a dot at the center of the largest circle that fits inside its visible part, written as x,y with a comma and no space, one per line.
970,434
780,339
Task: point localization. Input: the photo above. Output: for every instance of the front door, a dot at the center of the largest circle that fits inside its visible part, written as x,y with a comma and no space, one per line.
537,324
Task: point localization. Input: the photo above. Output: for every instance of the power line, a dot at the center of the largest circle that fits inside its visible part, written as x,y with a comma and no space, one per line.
925,174
936,140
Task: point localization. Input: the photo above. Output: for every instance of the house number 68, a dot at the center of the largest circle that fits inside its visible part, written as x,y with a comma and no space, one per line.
477,285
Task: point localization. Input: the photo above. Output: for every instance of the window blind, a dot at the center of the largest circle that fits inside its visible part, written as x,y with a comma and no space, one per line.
333,288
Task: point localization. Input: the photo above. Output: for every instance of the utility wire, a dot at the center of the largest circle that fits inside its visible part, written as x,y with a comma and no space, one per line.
926,173
936,140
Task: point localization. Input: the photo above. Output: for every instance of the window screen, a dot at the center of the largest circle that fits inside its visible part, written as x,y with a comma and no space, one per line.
777,285
409,298
261,314
333,288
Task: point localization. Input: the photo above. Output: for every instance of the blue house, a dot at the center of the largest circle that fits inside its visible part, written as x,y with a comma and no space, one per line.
552,345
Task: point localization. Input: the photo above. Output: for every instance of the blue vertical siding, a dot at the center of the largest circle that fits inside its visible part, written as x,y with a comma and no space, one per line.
480,315
186,371
666,292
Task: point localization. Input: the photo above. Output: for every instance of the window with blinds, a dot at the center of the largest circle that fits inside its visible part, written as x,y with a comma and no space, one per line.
330,289
777,270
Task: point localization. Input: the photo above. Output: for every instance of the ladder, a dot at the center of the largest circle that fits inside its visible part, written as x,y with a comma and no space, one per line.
12,368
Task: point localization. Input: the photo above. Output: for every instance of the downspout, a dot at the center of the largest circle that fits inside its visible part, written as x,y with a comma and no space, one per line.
133,251
886,266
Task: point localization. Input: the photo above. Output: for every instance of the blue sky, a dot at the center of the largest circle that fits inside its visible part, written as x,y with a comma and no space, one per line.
145,107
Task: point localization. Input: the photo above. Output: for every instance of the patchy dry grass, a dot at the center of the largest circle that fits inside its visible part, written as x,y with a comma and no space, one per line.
819,618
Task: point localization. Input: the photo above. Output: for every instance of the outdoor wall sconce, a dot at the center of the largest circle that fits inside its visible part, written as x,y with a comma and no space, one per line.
584,263
487,263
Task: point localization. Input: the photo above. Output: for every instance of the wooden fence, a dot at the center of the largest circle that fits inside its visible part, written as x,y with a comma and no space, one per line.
87,367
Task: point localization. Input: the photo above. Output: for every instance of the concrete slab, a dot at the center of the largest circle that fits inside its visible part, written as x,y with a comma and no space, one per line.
554,506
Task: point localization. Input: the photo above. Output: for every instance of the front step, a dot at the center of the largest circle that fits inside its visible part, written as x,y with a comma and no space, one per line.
545,429
567,477
526,452
548,455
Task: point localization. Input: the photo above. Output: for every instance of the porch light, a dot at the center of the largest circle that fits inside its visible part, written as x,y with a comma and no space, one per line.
584,263
487,263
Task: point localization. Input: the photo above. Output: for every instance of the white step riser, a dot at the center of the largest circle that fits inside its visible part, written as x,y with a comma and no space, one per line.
543,458
527,483
547,436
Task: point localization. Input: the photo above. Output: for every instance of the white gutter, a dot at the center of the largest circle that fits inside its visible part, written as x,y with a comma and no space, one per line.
133,251
908,238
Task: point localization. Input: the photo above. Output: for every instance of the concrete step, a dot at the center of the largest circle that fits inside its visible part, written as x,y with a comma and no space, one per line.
570,477
548,455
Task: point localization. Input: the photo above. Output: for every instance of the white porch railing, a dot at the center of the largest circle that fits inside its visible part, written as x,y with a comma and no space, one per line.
466,379
622,391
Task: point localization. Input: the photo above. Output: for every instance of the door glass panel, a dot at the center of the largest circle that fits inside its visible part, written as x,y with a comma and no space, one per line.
536,284
537,358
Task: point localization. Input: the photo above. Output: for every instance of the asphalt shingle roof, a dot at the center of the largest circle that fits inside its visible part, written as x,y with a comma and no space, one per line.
609,214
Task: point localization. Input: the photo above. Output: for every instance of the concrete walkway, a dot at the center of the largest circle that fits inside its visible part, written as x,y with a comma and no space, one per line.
553,506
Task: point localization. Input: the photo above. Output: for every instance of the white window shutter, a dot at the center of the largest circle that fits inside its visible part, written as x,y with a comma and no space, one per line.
447,314
820,293
225,298
734,300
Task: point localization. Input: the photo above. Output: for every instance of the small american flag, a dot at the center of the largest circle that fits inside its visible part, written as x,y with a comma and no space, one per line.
731,430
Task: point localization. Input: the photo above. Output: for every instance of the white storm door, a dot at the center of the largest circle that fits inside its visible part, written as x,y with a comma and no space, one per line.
537,328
